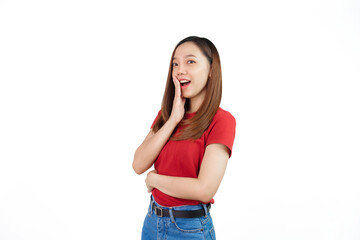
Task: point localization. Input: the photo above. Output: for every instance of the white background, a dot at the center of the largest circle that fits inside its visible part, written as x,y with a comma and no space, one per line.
82,81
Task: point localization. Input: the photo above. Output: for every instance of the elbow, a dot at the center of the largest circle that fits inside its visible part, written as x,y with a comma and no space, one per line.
136,167
205,195
206,198
136,170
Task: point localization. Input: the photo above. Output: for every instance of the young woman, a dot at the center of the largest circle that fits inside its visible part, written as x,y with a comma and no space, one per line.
189,143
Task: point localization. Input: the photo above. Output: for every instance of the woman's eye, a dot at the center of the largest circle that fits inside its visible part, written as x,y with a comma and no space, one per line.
191,61
174,64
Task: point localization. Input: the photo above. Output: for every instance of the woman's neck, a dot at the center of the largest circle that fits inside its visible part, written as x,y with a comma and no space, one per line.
195,102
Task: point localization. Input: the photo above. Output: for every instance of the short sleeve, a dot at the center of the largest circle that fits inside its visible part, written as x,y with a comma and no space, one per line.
222,130
157,117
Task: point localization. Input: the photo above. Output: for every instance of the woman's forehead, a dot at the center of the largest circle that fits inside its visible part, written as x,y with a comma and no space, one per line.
188,49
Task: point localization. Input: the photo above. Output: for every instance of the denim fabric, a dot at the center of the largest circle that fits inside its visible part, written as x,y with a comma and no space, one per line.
169,228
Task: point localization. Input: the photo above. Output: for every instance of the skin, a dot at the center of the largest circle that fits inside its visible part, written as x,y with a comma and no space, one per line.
189,63
195,68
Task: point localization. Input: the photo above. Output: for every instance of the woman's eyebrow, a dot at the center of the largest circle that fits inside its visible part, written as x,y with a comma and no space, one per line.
189,55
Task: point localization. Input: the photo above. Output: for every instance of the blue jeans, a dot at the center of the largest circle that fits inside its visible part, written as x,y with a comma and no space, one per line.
170,228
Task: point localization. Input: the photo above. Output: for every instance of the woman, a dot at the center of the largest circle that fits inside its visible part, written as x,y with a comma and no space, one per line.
189,143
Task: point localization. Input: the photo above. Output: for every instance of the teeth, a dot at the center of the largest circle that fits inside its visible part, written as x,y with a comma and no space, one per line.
184,81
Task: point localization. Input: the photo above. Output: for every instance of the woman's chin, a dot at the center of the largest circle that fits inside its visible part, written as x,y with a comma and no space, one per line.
186,95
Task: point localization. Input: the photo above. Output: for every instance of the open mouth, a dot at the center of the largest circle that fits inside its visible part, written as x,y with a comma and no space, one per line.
184,83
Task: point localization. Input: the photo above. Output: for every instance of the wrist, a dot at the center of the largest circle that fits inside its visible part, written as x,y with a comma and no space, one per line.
173,122
152,179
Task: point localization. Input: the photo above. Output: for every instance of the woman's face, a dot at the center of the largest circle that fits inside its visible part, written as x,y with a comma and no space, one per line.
191,68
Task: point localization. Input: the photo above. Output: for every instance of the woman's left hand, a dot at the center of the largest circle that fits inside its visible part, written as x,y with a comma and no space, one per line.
148,180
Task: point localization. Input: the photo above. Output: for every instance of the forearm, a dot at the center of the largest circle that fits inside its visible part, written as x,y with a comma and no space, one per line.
204,187
181,187
147,152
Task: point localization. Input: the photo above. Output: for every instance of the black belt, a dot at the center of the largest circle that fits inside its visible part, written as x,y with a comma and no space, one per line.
162,212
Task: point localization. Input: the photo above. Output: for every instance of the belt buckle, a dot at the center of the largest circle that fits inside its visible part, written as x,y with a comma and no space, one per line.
161,211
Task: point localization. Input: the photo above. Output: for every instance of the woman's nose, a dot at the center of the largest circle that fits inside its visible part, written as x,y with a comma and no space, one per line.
181,70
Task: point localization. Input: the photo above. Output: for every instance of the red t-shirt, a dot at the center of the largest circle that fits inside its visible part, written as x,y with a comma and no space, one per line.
183,158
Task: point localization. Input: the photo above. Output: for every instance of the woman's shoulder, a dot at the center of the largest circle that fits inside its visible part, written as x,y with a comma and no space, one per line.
221,129
223,114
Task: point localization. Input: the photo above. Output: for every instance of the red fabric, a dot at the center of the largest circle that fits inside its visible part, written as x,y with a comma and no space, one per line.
183,158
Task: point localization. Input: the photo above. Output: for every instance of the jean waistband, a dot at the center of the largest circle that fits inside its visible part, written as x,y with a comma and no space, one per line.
186,211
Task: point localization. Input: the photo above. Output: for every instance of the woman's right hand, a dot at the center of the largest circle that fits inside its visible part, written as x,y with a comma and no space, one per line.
147,152
178,109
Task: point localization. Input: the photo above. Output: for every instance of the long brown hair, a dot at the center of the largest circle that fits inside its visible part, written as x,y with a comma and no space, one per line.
196,125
